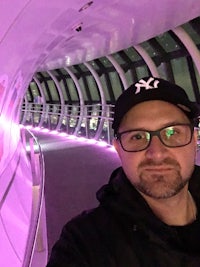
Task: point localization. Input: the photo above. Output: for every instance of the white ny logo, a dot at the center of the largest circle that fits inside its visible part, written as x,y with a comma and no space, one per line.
146,84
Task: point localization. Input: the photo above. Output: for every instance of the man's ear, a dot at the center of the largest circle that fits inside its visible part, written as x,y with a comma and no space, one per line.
116,144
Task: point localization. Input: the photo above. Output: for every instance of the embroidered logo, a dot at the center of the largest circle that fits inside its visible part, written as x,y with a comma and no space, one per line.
151,83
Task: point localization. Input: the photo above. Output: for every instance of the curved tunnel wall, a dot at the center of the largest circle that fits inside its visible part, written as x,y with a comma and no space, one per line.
27,39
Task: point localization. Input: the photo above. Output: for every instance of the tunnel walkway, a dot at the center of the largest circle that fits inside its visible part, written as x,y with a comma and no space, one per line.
74,171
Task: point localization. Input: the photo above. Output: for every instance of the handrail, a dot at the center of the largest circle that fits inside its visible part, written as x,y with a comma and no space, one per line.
37,165
70,115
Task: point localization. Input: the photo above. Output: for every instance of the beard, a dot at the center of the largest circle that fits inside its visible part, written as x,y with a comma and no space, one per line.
160,180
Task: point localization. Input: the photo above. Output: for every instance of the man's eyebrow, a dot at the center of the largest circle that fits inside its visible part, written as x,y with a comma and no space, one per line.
175,122
165,125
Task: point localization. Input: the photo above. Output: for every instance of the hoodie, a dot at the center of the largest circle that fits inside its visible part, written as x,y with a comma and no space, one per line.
124,232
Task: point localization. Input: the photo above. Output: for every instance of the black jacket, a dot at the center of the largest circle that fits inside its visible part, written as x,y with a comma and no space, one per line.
124,232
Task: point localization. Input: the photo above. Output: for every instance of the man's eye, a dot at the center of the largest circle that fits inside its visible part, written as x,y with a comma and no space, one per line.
173,132
137,136
170,132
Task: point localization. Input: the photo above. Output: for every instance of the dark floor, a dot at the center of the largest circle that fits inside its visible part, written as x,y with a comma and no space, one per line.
74,171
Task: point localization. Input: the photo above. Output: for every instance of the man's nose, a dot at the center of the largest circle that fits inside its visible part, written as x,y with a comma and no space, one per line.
156,149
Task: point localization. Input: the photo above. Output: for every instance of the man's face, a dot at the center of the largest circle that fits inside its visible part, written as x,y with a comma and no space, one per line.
158,171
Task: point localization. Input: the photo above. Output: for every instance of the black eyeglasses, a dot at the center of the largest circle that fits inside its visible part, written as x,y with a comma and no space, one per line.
171,136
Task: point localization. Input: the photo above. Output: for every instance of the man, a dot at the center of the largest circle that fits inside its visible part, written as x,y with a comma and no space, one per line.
148,212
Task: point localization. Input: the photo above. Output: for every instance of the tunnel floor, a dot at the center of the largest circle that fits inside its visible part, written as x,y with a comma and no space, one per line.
74,171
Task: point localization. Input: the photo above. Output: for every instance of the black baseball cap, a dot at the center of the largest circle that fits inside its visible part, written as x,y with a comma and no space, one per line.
152,88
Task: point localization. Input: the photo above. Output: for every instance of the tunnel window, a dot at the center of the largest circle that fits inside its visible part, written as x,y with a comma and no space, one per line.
81,83
105,87
142,71
53,91
105,62
129,77
44,89
120,60
73,69
63,88
167,42
132,54
149,49
94,65
116,84
83,68
93,89
197,76
34,91
29,96
182,75
72,90
190,29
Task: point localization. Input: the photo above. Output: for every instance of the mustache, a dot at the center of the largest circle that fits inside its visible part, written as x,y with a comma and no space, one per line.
166,161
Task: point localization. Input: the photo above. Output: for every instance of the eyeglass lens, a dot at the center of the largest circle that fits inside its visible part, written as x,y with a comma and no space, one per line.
171,136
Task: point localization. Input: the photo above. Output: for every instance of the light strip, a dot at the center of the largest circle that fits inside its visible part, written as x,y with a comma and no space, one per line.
72,137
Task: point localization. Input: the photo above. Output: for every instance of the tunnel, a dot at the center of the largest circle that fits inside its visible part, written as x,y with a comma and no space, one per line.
63,65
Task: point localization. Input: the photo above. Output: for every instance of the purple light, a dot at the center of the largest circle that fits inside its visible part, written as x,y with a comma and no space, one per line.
73,137
82,139
92,141
54,132
62,134
112,149
102,143
45,130
28,127
37,129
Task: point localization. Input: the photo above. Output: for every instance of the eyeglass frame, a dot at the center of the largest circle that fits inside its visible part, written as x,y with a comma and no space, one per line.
155,133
